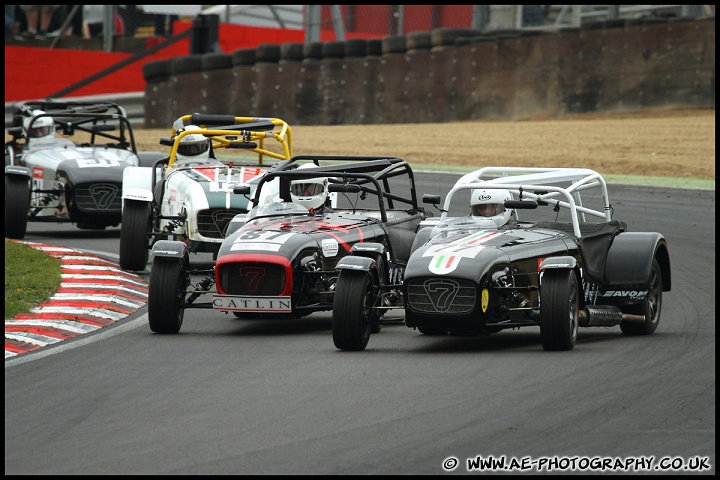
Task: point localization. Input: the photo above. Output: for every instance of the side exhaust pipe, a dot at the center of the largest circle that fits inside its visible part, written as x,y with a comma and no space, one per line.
606,316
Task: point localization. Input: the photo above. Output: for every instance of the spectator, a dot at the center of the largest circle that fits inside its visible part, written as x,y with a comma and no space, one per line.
9,21
164,25
129,14
38,19
93,20
76,23
532,15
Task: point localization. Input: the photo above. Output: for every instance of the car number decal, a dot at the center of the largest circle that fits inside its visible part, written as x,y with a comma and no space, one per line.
446,257
97,162
260,240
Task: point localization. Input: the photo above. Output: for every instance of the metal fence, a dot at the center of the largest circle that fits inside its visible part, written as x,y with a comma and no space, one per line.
383,20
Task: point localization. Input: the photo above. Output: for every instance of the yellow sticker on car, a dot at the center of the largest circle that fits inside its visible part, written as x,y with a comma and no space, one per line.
485,299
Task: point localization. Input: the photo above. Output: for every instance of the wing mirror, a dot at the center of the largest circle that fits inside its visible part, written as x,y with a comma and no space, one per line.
344,188
431,199
521,204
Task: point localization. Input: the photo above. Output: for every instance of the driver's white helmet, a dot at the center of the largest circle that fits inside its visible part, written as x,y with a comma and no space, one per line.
194,147
490,203
42,128
311,193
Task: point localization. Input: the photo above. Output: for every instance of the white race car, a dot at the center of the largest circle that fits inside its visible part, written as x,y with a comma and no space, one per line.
188,195
65,163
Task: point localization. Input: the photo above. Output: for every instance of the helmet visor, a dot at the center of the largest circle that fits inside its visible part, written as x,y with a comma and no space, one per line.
488,209
37,132
303,189
193,149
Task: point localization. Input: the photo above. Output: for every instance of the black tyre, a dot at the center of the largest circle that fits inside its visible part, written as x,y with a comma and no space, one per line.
216,61
243,56
166,294
157,70
651,307
134,235
333,49
186,64
355,47
419,40
312,51
559,307
351,310
17,204
267,53
292,51
394,44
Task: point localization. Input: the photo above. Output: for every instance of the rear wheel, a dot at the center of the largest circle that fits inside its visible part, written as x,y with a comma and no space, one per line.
17,204
351,310
166,294
559,307
650,308
133,235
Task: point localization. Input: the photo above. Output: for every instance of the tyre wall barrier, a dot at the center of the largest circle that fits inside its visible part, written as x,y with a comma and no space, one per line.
448,75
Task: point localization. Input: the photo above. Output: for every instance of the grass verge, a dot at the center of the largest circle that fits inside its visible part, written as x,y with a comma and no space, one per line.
31,277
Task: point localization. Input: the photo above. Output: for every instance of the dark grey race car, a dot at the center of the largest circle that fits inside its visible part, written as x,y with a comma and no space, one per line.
555,269
280,260
65,163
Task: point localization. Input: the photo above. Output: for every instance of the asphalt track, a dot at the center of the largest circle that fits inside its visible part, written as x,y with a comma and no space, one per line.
225,397
91,295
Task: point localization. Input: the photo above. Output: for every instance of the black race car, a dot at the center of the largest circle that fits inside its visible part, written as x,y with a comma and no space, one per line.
279,260
65,163
550,255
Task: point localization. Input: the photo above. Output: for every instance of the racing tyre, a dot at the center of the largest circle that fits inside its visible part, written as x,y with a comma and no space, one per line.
166,294
650,308
133,235
559,308
17,204
351,310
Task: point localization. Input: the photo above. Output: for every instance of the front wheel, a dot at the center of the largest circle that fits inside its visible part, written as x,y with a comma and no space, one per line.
352,302
133,235
17,204
166,294
650,308
559,308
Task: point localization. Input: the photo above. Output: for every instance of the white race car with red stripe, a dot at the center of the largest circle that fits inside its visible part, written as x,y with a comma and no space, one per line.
195,202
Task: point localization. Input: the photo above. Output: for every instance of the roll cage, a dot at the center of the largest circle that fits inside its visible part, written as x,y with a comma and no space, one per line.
103,121
231,132
362,175
531,187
